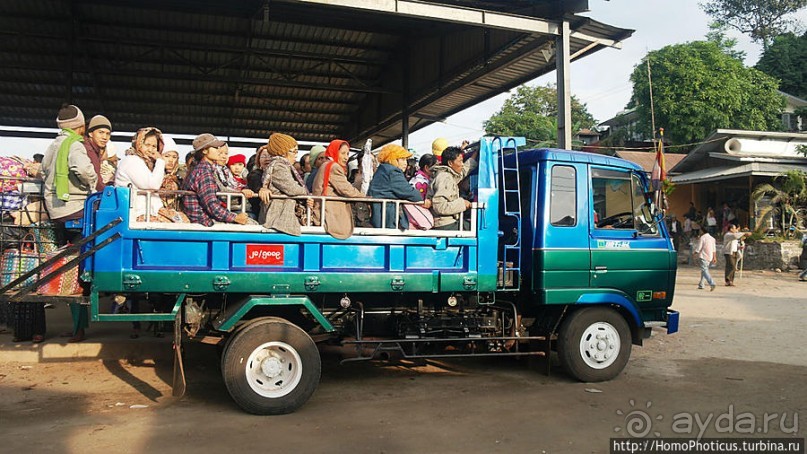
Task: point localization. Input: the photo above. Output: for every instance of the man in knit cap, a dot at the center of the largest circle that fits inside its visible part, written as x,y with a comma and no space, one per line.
68,172
70,176
444,192
99,131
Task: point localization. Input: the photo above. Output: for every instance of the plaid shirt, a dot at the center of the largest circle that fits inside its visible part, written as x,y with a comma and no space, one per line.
203,206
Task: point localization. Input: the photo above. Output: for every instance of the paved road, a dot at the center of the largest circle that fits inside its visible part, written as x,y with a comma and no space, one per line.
740,352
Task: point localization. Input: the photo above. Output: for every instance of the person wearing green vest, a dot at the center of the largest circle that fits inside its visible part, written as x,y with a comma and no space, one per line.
69,177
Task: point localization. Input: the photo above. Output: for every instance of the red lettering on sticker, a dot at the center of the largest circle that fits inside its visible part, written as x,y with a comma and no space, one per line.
264,254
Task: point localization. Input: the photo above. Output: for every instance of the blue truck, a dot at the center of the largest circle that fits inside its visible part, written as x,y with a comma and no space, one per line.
565,253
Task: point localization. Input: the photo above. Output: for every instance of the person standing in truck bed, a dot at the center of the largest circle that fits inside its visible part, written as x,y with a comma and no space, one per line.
389,182
67,170
444,193
280,178
203,207
331,180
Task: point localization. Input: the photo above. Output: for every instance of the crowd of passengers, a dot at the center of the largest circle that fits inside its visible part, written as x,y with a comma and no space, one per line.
273,183
278,191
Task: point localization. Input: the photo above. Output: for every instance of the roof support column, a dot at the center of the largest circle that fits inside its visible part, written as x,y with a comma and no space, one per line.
562,61
405,104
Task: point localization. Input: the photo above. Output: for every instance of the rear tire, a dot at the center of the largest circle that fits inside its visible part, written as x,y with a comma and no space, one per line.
594,344
271,367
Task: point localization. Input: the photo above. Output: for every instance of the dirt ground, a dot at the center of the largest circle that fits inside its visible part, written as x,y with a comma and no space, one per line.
738,359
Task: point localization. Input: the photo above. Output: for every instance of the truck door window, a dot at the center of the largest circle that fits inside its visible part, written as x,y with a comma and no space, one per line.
613,207
638,200
563,197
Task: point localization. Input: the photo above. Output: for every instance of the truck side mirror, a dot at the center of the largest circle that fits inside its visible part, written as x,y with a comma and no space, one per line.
649,213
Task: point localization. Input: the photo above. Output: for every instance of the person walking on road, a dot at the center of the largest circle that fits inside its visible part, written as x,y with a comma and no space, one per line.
705,253
731,240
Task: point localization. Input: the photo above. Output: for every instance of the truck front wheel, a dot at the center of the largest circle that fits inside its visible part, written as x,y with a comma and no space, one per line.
271,367
594,344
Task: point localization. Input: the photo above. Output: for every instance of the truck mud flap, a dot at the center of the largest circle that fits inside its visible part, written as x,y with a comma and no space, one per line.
179,384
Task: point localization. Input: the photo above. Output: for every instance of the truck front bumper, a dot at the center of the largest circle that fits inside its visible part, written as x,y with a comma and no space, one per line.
671,324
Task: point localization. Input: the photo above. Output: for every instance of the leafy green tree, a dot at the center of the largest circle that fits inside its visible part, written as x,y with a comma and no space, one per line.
786,60
717,35
532,112
697,88
762,20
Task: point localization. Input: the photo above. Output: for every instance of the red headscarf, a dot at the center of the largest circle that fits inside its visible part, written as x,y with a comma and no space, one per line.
332,153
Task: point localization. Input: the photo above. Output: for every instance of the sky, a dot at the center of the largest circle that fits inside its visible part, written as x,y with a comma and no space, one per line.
601,81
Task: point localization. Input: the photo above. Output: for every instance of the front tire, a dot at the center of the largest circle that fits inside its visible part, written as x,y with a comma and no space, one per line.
594,344
271,367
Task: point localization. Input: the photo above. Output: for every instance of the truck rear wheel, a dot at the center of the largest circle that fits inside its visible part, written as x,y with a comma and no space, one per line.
271,367
594,344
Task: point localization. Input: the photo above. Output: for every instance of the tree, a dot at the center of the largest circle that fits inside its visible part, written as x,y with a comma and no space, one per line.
788,191
532,112
717,35
786,60
762,20
697,88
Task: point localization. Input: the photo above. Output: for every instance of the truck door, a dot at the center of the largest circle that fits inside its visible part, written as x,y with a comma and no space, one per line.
561,255
627,254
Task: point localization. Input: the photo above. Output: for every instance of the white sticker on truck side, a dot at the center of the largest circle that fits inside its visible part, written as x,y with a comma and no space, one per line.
613,244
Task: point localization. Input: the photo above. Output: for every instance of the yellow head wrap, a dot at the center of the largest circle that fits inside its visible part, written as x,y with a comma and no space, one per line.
390,153
438,146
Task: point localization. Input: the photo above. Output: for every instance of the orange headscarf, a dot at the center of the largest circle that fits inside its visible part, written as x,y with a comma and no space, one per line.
332,153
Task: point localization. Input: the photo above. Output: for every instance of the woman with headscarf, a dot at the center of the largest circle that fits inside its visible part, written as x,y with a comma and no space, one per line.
143,168
280,178
389,182
331,180
255,179
171,180
204,207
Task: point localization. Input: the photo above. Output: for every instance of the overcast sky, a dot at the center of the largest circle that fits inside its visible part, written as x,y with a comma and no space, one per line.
600,80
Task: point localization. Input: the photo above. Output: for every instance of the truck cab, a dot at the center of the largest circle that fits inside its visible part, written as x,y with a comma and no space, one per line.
595,247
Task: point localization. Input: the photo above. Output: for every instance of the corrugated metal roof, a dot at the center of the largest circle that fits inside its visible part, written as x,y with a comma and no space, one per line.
315,72
744,170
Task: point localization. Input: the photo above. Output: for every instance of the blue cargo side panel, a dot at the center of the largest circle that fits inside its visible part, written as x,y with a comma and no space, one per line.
174,255
354,257
429,258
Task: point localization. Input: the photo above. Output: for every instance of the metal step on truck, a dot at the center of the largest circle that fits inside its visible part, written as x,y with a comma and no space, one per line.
565,252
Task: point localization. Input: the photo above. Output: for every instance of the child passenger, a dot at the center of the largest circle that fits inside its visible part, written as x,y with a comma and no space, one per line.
237,166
